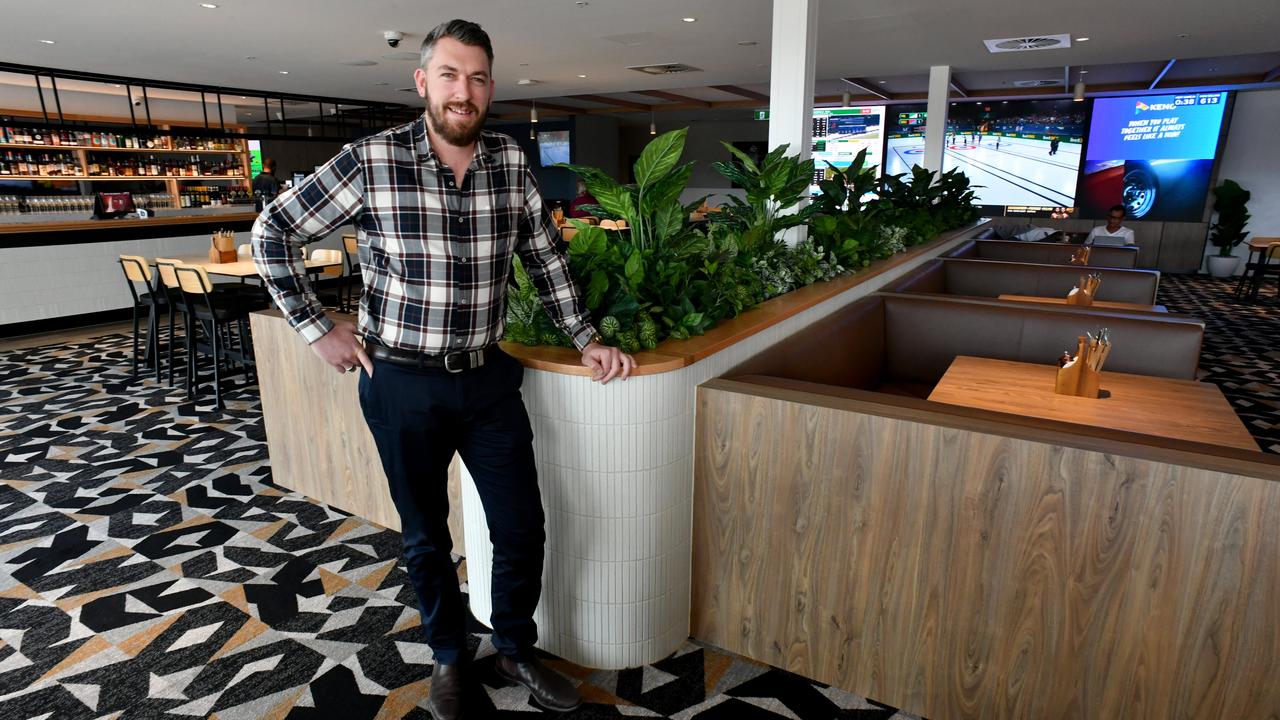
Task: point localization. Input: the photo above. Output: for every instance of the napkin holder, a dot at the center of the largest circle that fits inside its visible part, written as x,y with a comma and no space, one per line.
1081,256
1082,294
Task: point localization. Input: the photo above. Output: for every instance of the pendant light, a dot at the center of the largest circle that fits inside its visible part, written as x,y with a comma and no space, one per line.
533,112
844,100
653,128
1078,95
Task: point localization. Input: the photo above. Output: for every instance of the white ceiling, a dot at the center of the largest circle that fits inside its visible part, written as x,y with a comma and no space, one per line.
553,41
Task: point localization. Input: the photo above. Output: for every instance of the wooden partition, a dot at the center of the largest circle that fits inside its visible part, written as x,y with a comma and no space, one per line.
316,435
962,566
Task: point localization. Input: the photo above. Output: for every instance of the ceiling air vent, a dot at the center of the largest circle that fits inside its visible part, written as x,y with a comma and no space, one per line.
1024,44
1035,83
665,68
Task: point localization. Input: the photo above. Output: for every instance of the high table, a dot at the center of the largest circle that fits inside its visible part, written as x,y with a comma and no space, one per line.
1164,407
1107,304
245,268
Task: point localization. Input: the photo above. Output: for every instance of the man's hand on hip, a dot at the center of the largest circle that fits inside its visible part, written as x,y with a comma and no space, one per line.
606,362
340,348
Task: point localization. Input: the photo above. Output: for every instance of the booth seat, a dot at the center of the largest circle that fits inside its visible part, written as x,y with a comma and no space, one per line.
977,278
1046,253
902,344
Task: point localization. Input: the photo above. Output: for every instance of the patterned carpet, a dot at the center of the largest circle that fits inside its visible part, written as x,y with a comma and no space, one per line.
149,569
1241,351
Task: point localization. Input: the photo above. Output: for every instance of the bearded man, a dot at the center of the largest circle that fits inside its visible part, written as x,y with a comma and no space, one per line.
441,206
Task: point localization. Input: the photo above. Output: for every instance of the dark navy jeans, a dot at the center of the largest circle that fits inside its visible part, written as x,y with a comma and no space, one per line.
419,418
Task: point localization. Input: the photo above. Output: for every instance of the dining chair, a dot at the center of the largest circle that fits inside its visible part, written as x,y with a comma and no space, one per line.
146,297
218,327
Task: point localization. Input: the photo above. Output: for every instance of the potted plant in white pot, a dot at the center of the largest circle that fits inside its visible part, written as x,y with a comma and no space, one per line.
1230,203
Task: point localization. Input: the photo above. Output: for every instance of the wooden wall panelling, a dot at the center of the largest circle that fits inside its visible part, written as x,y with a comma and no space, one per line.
1148,237
1183,246
316,435
961,574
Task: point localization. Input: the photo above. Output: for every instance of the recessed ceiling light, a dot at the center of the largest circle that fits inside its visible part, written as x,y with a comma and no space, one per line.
209,6
524,64
250,57
1004,102
582,76
690,19
1184,35
883,82
1083,39
47,42
747,43
1084,72
284,72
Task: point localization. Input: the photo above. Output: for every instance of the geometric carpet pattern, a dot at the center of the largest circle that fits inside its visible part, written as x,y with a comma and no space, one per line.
1241,351
150,569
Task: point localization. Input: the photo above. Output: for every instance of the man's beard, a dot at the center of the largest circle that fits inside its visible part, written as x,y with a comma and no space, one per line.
453,129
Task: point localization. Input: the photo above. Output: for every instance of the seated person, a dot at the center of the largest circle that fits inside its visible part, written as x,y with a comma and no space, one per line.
1113,234
583,198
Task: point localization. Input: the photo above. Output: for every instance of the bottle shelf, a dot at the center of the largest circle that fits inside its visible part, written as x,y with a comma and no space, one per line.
90,148
98,178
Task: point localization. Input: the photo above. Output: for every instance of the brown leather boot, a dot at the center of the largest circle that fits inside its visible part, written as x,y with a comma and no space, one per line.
549,688
445,698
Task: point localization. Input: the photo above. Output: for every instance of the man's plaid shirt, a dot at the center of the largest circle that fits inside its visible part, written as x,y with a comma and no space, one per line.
435,257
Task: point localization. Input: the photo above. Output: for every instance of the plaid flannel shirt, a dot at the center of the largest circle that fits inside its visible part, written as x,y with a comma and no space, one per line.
435,257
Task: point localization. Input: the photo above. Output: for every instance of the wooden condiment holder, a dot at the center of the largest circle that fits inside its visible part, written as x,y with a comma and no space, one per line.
1082,294
1081,256
1081,375
222,247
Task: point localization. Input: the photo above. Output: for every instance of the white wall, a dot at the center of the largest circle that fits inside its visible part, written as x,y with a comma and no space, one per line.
1252,158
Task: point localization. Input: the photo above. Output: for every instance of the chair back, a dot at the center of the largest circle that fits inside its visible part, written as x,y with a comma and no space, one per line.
136,268
244,251
165,268
351,248
350,245
193,279
325,255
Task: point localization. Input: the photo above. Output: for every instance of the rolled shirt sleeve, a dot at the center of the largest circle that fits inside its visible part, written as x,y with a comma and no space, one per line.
541,251
326,200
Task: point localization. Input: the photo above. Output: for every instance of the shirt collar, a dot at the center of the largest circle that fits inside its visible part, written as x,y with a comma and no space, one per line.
426,154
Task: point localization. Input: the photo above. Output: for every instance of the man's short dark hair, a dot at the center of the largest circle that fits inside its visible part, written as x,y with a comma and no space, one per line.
464,31
270,164
1116,208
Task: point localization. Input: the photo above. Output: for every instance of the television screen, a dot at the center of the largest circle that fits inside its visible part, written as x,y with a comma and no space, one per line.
553,147
904,132
1153,154
839,134
1023,154
255,158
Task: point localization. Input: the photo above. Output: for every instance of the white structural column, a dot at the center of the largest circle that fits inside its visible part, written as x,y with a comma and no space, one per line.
795,50
935,134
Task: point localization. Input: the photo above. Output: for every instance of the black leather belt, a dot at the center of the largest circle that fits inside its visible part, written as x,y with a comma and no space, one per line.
454,362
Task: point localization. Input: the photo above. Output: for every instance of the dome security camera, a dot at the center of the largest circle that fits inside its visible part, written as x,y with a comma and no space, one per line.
393,37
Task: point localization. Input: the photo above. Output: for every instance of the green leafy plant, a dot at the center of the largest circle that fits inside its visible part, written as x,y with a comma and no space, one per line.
527,320
1231,204
775,185
651,205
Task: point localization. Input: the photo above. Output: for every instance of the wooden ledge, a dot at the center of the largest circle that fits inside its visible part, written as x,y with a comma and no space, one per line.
161,221
675,354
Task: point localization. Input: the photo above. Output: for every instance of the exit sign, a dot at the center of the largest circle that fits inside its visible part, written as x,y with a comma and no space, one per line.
762,114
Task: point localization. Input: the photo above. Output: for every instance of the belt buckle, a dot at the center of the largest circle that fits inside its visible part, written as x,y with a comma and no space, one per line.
449,366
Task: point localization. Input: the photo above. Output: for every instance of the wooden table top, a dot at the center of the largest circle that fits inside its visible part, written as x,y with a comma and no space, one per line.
1108,304
1262,243
1163,407
243,268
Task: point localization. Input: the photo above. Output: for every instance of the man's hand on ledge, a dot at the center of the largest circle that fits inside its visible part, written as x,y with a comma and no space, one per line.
340,348
607,362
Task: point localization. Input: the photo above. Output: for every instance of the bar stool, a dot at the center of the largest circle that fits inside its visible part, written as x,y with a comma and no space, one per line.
355,280
217,326
138,272
169,285
1255,272
334,297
